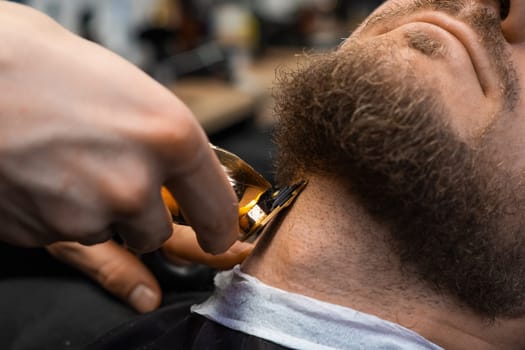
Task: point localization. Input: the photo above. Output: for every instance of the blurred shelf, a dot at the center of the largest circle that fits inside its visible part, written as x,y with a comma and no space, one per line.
216,104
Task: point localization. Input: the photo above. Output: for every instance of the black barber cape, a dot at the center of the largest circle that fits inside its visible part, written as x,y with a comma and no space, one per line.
44,304
175,328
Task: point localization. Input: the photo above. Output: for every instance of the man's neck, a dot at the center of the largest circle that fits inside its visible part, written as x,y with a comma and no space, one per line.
329,248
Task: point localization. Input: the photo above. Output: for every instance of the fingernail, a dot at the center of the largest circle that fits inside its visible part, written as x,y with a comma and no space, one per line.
143,299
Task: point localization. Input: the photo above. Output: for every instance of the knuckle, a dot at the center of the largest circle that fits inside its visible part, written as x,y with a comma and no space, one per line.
85,230
131,199
178,133
71,219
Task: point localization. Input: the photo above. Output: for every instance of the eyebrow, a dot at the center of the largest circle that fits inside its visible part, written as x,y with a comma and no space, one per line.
452,7
424,43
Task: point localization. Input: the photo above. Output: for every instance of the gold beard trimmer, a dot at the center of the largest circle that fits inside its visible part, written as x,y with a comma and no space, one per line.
259,201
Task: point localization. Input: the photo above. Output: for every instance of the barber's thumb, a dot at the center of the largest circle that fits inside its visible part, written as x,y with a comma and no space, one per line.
115,269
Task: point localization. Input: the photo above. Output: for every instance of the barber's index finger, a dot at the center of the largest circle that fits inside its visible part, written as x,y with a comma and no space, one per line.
207,201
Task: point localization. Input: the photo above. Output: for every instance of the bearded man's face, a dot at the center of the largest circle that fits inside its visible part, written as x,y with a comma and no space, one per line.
427,131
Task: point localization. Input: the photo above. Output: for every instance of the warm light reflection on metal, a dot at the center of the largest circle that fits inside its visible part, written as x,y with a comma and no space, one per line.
259,201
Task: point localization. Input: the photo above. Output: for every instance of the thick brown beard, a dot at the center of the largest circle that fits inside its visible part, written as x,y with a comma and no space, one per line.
455,217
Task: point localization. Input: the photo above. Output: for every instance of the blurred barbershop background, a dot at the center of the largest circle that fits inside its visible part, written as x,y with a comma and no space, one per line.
218,56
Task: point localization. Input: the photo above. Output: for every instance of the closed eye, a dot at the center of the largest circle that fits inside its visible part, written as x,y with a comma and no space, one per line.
504,9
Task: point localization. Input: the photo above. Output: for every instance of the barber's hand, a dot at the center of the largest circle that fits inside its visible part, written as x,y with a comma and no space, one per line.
123,274
87,140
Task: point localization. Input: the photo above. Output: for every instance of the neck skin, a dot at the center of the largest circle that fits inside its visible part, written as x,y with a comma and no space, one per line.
328,248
